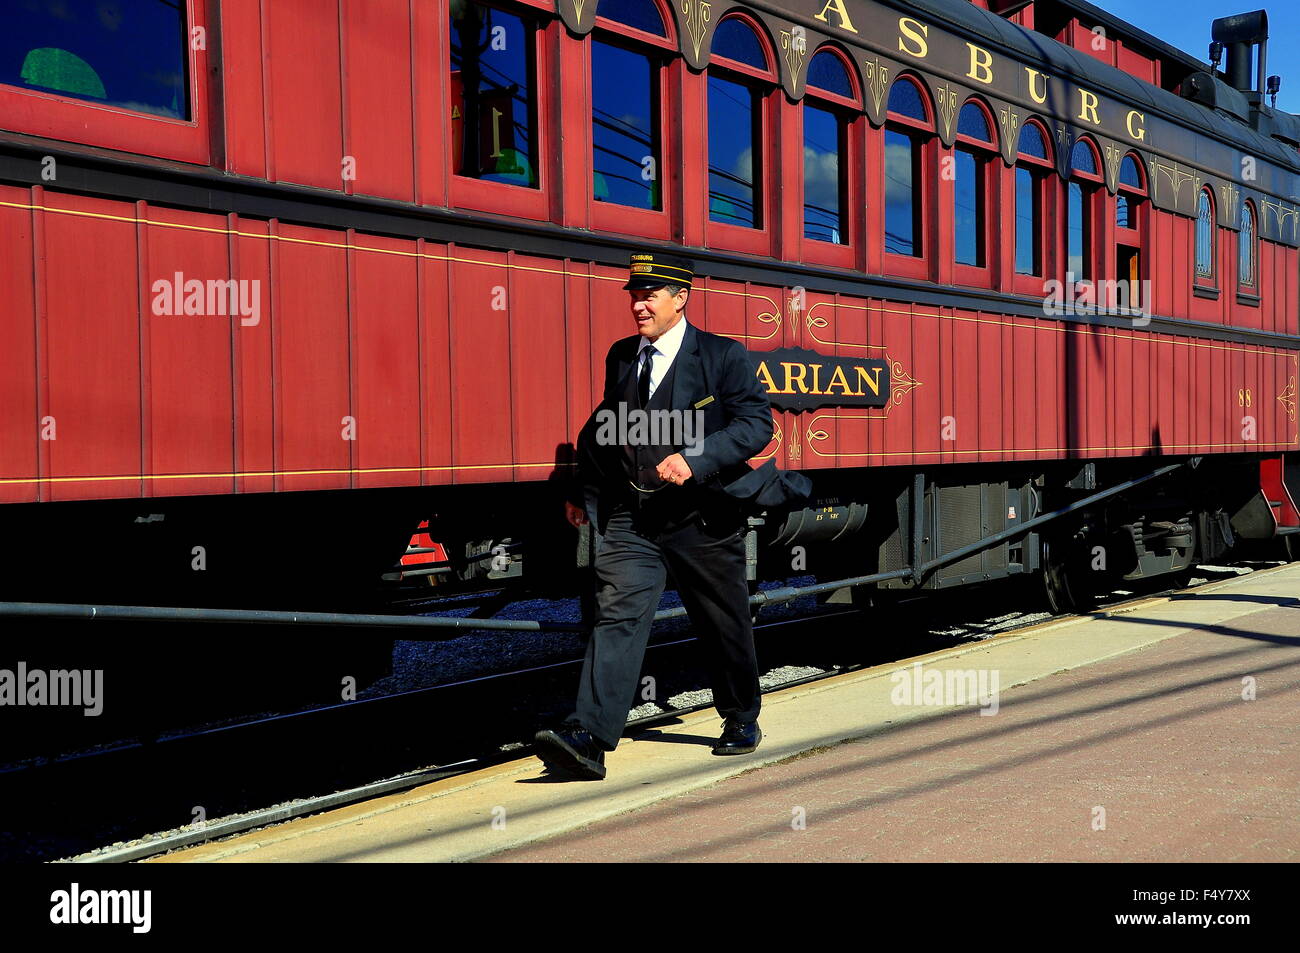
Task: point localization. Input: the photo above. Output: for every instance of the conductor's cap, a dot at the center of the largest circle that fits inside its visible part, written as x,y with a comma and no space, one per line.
649,270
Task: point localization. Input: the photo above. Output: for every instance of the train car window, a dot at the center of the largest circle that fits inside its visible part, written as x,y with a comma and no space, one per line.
1205,234
735,153
1033,168
968,209
625,126
739,82
824,212
639,14
1029,215
1129,174
1081,195
1246,253
971,154
825,149
494,108
902,203
905,100
1077,258
972,123
1082,159
1031,144
1123,212
826,72
1128,225
907,134
131,54
736,40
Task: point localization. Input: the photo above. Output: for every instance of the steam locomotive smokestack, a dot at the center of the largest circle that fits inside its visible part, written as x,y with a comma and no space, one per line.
1240,34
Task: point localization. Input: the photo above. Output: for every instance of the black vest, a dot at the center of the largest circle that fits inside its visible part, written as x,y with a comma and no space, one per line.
641,457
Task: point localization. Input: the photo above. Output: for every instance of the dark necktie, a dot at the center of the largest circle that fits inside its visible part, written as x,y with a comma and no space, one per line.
643,382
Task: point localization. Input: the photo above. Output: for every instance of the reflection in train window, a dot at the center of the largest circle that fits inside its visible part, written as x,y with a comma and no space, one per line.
624,126
131,54
493,109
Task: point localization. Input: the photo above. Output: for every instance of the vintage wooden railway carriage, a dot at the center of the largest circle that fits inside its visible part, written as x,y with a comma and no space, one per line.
282,279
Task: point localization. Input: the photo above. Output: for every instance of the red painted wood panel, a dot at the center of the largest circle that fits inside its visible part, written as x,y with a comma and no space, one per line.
254,391
378,59
988,368
19,421
538,367
966,407
435,380
242,68
91,335
1121,387
480,365
431,66
311,359
1200,398
304,94
585,367
386,361
926,397
188,395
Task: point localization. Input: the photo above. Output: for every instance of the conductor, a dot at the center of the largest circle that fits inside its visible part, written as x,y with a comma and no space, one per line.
682,412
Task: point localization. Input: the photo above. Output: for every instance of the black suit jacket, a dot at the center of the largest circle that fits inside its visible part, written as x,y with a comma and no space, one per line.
710,373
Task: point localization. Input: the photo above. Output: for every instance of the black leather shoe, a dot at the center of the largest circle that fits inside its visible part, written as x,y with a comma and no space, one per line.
571,750
738,737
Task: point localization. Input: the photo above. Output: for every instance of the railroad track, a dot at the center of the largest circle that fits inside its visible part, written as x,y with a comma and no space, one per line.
401,723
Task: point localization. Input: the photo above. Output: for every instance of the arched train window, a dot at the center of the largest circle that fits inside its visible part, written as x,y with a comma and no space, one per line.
908,130
1082,190
1205,233
972,154
740,80
1033,171
1247,257
825,149
1129,201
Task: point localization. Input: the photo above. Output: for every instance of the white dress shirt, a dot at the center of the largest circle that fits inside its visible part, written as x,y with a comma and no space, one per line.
666,348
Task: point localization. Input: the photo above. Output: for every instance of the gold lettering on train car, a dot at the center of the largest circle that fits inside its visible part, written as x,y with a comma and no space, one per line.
843,14
1088,107
915,31
981,62
872,379
1034,76
791,377
817,378
843,381
1141,132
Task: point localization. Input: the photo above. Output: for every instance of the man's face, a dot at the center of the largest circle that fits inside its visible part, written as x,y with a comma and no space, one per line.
656,311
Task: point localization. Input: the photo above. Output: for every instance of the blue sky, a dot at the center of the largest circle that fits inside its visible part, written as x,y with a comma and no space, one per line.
1185,24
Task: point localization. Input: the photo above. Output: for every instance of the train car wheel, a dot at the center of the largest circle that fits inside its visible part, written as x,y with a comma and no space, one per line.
1064,586
1291,547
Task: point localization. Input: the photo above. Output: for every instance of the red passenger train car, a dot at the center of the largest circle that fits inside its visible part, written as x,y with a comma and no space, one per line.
283,280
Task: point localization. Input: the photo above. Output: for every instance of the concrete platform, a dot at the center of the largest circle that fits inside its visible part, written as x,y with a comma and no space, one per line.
1129,735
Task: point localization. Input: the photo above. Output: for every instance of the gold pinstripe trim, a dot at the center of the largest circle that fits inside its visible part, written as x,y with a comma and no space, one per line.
251,474
771,317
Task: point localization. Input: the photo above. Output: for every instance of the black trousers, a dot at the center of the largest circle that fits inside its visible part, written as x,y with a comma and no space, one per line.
707,562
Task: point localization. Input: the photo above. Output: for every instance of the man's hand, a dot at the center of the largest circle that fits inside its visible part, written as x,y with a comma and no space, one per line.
674,469
576,515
